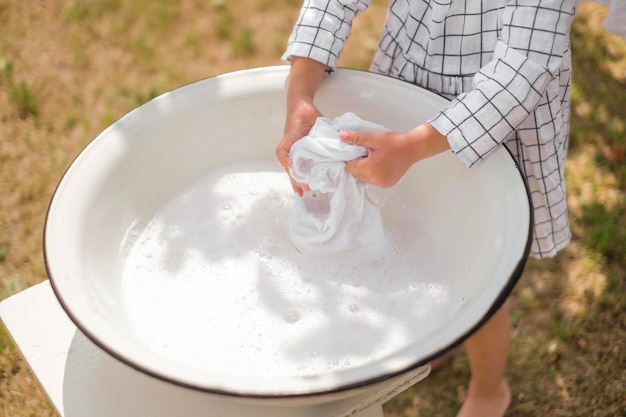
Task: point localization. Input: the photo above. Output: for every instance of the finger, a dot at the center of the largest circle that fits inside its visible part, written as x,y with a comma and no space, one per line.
298,187
361,168
284,157
352,137
355,167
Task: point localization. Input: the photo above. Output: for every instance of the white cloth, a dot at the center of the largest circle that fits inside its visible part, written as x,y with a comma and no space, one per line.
339,215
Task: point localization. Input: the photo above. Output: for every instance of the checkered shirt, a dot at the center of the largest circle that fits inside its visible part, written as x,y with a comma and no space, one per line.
505,65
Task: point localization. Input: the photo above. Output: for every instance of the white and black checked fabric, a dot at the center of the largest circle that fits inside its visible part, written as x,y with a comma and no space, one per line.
505,64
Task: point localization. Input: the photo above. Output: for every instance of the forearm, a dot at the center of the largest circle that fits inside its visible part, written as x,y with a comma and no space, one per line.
305,78
425,141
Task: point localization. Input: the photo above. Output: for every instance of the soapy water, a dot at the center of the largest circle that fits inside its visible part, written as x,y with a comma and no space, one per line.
210,280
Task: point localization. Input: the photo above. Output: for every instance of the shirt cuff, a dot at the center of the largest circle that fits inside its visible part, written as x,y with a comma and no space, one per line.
469,153
306,50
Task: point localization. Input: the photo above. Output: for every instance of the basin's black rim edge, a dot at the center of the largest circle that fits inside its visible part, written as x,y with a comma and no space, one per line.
513,279
504,294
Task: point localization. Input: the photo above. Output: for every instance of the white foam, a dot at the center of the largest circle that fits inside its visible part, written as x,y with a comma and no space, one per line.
211,281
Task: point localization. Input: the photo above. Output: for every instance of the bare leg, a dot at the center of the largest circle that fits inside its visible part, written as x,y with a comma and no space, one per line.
488,394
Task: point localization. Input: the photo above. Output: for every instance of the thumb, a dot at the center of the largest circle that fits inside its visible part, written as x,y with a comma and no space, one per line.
355,138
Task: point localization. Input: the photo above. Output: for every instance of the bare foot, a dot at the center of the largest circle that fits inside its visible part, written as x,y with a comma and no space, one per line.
480,403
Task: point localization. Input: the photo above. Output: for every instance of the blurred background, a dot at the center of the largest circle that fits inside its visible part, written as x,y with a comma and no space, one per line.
69,68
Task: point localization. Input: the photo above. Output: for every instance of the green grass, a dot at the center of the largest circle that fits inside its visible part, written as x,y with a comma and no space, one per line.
243,42
231,30
605,234
81,10
24,100
6,68
145,96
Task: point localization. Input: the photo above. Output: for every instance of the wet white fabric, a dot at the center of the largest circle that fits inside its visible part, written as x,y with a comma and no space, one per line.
340,215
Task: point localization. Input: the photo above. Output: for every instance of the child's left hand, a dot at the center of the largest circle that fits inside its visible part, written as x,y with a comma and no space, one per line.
391,154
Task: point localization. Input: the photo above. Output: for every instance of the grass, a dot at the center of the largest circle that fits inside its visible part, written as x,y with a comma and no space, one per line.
6,68
604,234
69,69
24,99
228,29
81,10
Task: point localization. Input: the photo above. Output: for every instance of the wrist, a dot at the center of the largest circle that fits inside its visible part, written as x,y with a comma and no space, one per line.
299,104
426,141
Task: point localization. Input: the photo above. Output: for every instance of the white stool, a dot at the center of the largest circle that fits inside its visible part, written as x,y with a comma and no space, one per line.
81,380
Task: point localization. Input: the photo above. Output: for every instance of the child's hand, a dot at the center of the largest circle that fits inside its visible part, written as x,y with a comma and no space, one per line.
391,154
299,122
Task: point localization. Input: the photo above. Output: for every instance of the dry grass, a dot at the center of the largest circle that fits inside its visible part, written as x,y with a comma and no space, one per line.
69,68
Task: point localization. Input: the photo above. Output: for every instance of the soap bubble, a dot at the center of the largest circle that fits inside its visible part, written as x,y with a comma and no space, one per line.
232,264
291,316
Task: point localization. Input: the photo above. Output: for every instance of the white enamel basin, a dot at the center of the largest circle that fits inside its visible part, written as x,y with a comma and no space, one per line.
479,218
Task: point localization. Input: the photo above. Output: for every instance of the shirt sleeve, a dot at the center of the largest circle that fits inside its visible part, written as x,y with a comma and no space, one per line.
322,29
527,57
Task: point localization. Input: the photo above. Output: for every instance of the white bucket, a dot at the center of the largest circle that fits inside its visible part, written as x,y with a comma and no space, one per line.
478,221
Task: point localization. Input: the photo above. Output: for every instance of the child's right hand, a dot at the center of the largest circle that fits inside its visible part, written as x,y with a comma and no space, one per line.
301,116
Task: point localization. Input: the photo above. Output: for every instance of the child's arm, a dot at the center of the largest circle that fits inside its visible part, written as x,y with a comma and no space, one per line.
522,76
391,154
305,77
